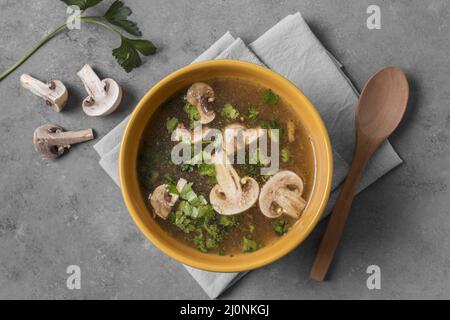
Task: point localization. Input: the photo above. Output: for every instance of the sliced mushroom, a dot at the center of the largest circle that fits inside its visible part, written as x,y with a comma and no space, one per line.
162,200
104,95
282,194
201,95
232,195
53,92
52,141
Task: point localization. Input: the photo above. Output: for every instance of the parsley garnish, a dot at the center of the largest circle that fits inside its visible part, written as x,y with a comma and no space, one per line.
127,55
252,113
269,97
196,217
250,245
280,226
192,114
285,155
229,112
206,169
171,124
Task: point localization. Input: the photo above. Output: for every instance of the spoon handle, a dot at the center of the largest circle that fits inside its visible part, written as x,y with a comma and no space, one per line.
339,214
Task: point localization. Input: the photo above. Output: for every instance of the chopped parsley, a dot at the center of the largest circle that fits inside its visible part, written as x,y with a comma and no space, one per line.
228,221
229,112
285,155
206,169
195,216
269,97
192,114
251,228
250,245
252,113
186,167
171,124
280,226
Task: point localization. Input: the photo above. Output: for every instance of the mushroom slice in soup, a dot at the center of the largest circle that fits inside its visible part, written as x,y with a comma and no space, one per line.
201,95
162,200
282,194
232,195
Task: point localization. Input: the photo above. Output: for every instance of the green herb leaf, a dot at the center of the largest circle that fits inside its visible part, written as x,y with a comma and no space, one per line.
280,226
186,167
251,228
192,114
127,54
229,112
252,113
171,124
206,169
117,15
269,97
285,155
228,221
250,245
82,4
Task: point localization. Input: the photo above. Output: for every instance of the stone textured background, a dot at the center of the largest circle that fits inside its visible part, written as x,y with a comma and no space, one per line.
57,213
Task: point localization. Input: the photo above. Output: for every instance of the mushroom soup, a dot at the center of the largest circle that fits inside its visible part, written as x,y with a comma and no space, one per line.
220,207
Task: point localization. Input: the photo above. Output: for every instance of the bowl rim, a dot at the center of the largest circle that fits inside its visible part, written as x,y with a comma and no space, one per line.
250,263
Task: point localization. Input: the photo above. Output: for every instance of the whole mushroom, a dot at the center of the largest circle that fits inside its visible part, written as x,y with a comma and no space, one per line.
53,92
162,200
232,195
104,95
51,141
201,96
282,194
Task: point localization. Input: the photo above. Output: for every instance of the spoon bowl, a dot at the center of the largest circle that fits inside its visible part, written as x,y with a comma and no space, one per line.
382,104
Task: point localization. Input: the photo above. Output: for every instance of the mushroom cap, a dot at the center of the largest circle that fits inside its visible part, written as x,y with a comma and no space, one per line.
201,95
51,141
106,104
58,95
232,195
42,141
282,194
162,200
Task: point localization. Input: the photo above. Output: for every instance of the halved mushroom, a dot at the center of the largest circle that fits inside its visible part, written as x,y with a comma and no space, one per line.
53,92
201,95
232,195
282,194
104,95
162,200
51,141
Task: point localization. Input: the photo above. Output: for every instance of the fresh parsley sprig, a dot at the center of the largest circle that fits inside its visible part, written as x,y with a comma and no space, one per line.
127,54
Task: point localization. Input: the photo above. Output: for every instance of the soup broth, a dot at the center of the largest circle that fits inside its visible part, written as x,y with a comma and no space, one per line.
236,101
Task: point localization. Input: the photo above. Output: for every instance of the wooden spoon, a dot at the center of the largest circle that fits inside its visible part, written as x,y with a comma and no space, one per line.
381,107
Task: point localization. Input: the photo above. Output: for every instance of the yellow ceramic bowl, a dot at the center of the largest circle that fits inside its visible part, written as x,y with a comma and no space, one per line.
171,85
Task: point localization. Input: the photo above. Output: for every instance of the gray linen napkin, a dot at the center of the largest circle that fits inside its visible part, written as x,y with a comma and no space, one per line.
291,49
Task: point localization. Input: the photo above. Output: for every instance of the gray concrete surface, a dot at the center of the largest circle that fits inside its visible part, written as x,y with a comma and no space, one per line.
57,213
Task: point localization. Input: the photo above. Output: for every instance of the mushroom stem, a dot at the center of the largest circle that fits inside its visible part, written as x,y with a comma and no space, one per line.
51,141
71,137
36,86
92,83
53,92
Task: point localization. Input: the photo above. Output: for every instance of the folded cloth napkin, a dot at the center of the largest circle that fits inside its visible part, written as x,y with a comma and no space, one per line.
291,49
